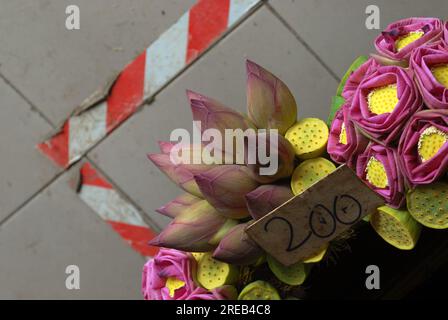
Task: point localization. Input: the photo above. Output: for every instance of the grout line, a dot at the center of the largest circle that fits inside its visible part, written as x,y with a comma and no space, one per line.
31,198
303,42
109,179
33,107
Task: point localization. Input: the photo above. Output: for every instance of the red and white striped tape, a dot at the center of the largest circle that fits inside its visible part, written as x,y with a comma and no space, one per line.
123,217
190,36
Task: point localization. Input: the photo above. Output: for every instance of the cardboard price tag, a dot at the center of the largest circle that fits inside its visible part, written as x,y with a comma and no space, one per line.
301,226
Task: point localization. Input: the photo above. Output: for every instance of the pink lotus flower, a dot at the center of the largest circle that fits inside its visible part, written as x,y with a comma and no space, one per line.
384,102
378,166
169,276
400,38
430,65
178,205
445,31
353,81
423,147
266,198
237,248
224,188
345,143
270,104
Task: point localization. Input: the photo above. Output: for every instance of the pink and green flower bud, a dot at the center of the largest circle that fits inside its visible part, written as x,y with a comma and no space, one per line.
192,230
423,147
378,166
400,38
270,104
383,103
224,188
345,143
430,66
237,248
266,198
214,115
180,174
269,156
178,205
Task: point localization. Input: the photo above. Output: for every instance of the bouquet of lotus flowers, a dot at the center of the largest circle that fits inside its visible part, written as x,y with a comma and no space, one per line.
388,122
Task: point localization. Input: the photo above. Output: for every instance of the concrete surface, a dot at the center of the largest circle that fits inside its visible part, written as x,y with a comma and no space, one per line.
46,71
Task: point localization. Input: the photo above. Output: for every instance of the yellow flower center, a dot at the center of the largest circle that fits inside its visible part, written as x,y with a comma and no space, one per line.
430,142
440,72
407,39
383,99
173,284
376,173
343,135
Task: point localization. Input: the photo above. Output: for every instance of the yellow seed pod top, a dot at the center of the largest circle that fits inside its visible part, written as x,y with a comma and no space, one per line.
309,172
318,256
309,137
440,72
376,173
212,273
259,290
430,142
396,227
173,284
383,99
407,39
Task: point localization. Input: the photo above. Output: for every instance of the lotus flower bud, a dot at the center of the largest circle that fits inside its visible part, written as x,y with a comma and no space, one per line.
175,207
400,38
430,65
224,188
384,102
165,146
345,143
270,104
353,81
180,174
192,229
237,248
214,115
423,147
269,156
378,167
266,198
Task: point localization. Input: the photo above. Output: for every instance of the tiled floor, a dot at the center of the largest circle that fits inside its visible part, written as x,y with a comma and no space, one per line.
46,71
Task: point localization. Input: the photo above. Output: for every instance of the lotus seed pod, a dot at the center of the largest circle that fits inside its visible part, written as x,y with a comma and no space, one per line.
396,227
428,204
309,137
294,275
212,273
259,290
318,256
309,172
197,255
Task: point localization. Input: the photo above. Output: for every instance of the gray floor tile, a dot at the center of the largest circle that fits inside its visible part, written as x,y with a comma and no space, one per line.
336,30
56,68
23,170
220,74
55,230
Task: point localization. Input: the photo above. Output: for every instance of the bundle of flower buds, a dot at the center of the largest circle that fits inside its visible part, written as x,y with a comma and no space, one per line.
206,253
389,123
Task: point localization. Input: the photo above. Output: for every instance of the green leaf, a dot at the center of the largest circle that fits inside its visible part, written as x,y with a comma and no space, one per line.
355,65
336,104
